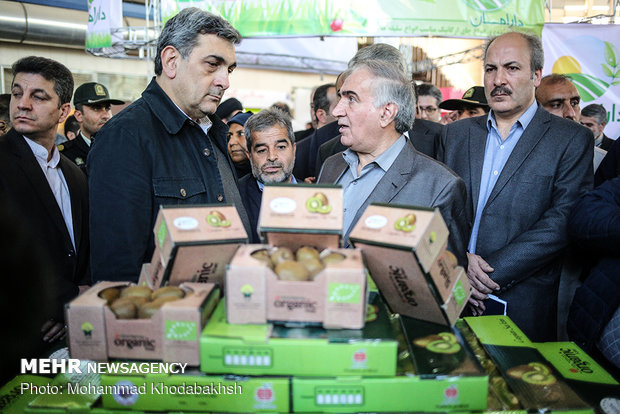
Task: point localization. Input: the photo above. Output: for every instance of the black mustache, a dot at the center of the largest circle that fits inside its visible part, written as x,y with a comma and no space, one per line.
501,89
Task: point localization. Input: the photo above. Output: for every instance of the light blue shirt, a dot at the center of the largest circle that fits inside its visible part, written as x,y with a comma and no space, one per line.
357,188
261,185
496,153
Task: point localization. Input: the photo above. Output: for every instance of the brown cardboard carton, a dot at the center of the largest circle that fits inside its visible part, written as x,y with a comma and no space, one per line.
418,229
315,209
195,243
334,299
404,248
294,216
170,335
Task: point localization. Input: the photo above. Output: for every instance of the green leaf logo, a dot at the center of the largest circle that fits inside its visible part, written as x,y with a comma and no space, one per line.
181,330
344,293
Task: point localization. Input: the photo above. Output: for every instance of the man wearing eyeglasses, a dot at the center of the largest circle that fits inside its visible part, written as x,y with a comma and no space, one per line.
429,97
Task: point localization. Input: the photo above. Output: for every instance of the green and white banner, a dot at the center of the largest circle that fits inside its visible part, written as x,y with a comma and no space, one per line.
447,18
103,16
589,55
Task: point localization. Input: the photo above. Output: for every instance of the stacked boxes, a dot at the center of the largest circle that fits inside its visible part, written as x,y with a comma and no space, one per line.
404,248
275,350
292,217
459,386
198,392
170,335
194,244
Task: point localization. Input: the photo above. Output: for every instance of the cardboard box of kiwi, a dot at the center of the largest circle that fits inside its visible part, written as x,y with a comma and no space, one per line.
120,320
195,243
403,393
583,374
195,392
534,381
300,275
270,349
404,248
460,387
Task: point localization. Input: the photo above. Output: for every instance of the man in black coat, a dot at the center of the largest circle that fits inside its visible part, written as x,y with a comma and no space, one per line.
92,104
47,189
271,150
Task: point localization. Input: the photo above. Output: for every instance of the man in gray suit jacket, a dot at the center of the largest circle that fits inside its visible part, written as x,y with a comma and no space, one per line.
376,107
524,168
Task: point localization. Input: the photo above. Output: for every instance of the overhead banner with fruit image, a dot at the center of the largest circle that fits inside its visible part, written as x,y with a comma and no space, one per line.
590,56
447,18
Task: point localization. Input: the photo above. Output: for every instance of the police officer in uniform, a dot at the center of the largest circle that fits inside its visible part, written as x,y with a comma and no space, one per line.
92,110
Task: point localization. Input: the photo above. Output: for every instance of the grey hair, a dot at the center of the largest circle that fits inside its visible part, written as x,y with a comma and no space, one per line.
428,89
391,86
595,111
266,119
537,56
380,51
182,31
51,70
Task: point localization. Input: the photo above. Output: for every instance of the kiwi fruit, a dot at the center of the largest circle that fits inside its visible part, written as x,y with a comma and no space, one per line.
262,256
443,347
124,308
282,254
147,310
450,258
314,266
425,340
332,258
519,371
306,252
110,294
321,198
136,291
167,291
538,378
292,271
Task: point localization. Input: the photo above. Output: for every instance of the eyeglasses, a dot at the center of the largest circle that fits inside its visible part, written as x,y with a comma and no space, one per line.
428,109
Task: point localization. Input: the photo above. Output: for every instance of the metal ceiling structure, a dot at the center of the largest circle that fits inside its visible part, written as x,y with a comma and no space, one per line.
55,23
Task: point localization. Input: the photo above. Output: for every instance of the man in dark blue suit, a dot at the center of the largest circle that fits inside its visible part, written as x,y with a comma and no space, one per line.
271,150
523,168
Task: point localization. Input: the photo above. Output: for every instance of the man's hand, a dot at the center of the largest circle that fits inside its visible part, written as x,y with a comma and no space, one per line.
449,118
476,306
53,331
477,269
310,180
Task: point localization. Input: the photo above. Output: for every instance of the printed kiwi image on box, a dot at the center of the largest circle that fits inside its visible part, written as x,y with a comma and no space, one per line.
194,244
405,250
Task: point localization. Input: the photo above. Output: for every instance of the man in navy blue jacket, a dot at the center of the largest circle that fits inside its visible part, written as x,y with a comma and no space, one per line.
594,318
271,150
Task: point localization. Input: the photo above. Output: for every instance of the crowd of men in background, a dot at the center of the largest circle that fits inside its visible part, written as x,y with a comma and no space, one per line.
509,166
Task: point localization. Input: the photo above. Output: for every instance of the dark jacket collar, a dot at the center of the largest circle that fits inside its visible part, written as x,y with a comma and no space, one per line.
173,119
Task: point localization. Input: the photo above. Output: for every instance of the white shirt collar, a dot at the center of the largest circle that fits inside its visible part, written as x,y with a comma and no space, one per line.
41,153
